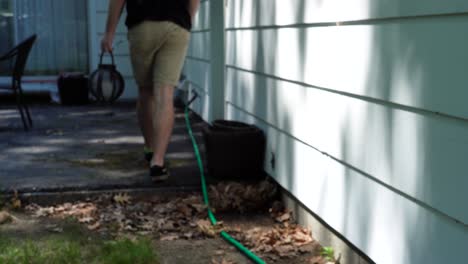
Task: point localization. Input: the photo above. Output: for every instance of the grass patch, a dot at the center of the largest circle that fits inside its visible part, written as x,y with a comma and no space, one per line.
57,249
127,251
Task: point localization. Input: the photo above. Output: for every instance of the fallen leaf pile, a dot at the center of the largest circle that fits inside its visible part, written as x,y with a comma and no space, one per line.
178,218
5,217
234,196
283,241
286,239
185,217
84,212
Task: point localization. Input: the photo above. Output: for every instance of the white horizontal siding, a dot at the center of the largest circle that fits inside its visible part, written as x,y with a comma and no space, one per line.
200,73
422,156
200,45
419,63
251,13
202,20
363,102
197,66
388,227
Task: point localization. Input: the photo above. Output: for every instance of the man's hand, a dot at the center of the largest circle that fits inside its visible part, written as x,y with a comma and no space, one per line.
106,43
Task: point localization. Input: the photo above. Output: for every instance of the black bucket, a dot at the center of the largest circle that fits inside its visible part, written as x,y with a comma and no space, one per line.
234,150
73,89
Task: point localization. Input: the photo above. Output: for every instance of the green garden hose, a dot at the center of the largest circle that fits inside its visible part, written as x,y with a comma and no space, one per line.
211,216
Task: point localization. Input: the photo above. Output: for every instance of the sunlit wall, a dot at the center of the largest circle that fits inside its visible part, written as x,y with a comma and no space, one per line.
364,105
198,65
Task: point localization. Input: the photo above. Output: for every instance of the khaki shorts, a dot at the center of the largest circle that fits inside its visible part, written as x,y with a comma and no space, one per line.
157,51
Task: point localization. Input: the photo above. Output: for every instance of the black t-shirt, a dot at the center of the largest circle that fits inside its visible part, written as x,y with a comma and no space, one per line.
176,11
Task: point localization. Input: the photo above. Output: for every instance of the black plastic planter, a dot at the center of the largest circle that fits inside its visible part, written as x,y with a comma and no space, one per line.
234,150
73,89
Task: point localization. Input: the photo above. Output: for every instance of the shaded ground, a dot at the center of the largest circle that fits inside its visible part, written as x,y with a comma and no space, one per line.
100,148
164,221
88,147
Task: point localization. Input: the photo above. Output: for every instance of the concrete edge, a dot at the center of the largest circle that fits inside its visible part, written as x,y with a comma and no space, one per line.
323,233
49,198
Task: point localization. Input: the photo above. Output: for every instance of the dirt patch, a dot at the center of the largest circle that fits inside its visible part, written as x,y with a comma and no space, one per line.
179,228
178,223
212,250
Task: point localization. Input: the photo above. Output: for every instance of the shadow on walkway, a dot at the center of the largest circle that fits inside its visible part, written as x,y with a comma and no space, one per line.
88,148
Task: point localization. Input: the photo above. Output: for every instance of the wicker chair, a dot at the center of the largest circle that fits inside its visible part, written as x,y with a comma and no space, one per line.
17,58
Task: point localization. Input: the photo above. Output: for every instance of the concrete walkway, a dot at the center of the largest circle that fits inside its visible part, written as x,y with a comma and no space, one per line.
87,148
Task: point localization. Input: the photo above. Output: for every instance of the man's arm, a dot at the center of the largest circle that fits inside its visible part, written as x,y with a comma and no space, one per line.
113,17
194,5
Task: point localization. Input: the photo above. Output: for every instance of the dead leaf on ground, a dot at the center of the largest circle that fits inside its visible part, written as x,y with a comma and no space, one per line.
122,198
189,235
5,218
206,228
219,252
221,261
16,201
284,240
284,250
56,230
234,196
86,220
287,216
185,217
147,226
170,237
94,226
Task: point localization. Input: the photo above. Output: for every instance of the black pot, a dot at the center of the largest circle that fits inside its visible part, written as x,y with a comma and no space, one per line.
73,88
234,150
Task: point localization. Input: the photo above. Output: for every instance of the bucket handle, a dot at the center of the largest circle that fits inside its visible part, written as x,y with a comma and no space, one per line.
111,54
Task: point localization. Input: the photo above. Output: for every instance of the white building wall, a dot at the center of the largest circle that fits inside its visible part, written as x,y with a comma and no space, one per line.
199,62
363,102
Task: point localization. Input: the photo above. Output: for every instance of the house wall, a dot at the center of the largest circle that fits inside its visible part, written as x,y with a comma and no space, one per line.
363,104
198,65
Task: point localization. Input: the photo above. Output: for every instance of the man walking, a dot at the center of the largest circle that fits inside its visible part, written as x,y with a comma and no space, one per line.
158,35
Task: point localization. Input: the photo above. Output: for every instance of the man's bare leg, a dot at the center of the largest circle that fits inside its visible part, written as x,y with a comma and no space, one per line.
145,112
163,121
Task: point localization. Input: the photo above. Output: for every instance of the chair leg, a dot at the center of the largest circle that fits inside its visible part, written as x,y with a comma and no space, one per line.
22,109
28,115
23,118
26,109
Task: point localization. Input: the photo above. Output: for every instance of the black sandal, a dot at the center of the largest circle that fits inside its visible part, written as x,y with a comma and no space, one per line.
159,173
